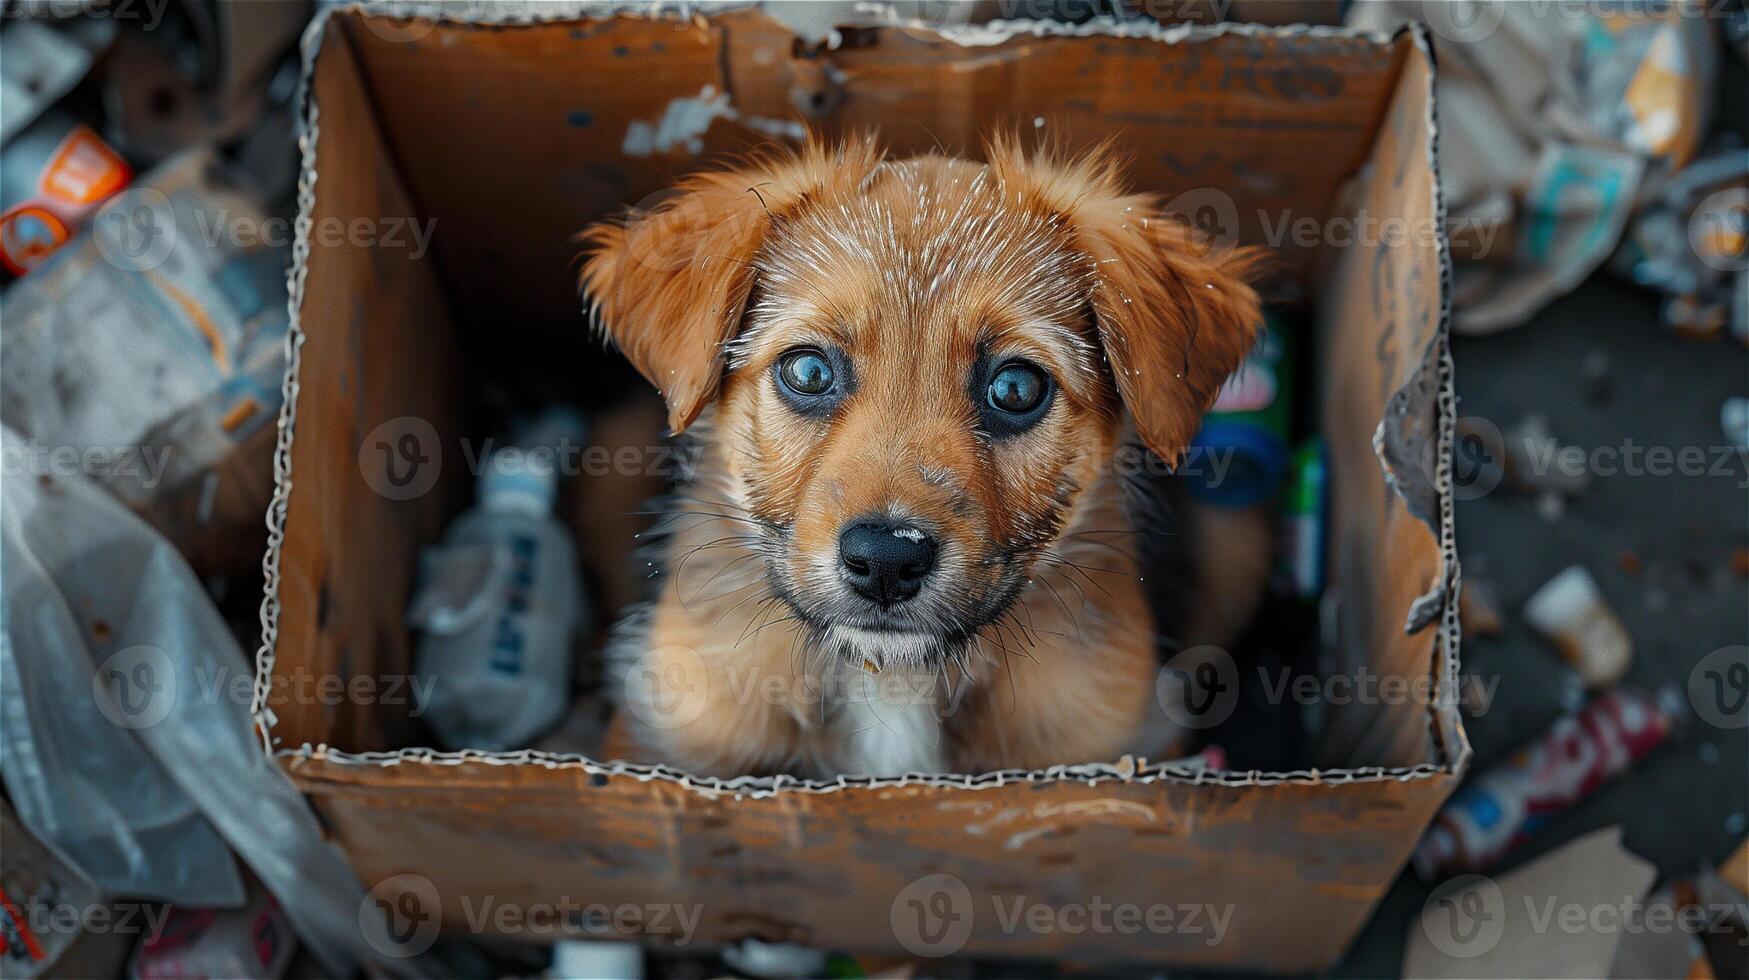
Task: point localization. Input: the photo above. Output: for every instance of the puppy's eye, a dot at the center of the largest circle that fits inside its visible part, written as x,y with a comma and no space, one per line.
1016,388
805,371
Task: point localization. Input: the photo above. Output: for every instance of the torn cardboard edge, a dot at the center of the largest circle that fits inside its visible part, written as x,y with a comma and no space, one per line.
1449,740
1442,599
1139,771
509,13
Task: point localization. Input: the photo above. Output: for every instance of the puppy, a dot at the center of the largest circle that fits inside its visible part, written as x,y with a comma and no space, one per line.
905,546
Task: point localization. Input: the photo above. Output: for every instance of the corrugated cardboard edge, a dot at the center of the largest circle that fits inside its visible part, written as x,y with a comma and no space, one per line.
1449,733
1424,482
1450,738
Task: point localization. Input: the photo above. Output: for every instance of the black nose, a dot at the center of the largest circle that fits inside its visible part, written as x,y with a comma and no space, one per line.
885,561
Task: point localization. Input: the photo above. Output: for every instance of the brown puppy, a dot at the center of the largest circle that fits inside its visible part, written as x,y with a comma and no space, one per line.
905,548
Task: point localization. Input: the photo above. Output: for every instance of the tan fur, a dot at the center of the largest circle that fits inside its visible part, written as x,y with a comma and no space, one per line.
915,269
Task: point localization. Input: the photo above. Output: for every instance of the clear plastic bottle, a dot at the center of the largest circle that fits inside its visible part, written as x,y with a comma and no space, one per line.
500,602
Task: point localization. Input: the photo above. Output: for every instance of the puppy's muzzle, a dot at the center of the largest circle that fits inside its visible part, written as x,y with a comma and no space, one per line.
885,561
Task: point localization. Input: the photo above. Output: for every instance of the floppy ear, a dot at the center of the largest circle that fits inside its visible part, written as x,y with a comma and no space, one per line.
1174,312
670,285
1175,315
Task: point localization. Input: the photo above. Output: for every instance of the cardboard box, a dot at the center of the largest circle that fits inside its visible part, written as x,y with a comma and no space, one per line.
514,135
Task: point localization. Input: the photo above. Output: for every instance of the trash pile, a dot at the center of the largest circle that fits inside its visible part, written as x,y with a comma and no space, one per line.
1573,140
145,176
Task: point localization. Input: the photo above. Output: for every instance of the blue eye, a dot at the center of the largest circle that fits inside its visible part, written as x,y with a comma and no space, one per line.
1017,388
806,372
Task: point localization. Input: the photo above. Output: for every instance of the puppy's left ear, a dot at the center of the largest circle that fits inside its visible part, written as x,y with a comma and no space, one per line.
1174,312
1176,315
670,285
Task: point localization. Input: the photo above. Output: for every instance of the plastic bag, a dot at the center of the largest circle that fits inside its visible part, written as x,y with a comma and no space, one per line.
122,715
76,682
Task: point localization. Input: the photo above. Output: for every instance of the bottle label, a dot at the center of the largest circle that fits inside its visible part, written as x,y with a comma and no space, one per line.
509,637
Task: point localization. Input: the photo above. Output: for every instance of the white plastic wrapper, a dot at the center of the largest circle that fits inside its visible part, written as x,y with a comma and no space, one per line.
80,685
123,743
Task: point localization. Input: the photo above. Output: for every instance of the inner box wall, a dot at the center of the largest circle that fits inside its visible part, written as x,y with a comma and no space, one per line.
380,363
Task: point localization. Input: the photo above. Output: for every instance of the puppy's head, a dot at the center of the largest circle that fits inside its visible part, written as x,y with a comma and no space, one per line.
918,367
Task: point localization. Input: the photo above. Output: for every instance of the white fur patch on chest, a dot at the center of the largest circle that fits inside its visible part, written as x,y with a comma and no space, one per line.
885,725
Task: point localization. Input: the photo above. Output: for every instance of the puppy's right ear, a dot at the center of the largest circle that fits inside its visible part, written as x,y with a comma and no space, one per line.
671,284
